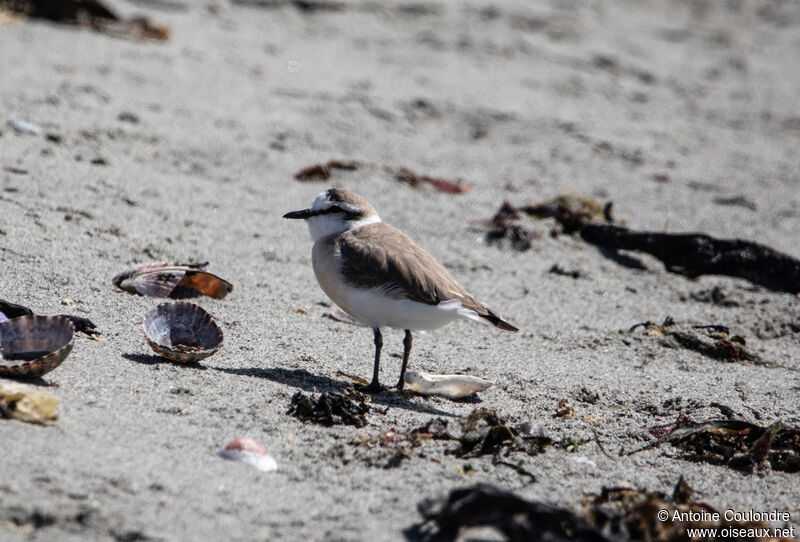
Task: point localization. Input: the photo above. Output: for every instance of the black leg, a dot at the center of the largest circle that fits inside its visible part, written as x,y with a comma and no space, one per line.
406,353
375,385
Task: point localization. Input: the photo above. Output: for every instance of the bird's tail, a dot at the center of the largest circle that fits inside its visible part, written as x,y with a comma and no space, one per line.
496,321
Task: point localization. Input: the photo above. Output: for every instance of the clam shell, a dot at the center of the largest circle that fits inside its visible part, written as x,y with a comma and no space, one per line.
182,332
31,346
249,451
451,386
167,279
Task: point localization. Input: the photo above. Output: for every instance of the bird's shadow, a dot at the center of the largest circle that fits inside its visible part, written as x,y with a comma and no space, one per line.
150,359
306,381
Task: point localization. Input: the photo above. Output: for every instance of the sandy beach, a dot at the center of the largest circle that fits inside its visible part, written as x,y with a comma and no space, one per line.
685,115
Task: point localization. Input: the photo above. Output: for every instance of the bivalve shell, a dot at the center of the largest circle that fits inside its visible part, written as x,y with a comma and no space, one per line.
167,279
249,451
451,386
31,346
182,332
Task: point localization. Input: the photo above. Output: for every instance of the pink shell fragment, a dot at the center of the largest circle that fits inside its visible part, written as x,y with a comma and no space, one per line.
249,451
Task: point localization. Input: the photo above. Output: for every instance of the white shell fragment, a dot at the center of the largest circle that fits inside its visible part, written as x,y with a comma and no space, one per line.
249,451
451,386
24,126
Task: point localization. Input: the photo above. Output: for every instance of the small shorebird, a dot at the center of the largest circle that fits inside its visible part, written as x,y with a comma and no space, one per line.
382,277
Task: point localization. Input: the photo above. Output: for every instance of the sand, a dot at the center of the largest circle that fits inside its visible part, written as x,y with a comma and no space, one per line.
186,150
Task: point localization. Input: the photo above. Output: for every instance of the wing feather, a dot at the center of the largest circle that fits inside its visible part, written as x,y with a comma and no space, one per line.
381,256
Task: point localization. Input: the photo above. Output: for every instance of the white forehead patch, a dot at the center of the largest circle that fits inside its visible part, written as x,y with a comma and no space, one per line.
321,201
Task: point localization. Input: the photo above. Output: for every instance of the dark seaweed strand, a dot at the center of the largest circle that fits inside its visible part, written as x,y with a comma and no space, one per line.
697,254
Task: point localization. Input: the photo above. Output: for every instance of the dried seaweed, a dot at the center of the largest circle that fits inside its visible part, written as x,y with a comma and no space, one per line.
696,254
570,212
518,519
565,409
324,170
618,514
440,185
737,444
92,14
320,172
692,254
713,341
484,432
330,408
400,444
628,515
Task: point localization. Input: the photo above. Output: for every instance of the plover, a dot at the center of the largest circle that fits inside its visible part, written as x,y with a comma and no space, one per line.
382,277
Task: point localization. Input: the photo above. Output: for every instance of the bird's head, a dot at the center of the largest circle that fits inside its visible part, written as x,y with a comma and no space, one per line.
336,211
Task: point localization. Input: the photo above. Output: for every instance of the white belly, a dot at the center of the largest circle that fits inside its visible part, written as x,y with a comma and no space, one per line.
374,308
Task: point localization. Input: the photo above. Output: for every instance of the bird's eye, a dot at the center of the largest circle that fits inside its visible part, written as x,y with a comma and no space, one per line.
335,209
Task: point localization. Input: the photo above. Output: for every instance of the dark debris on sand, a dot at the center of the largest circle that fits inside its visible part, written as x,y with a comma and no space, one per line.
324,171
399,444
691,254
737,444
483,432
516,518
330,408
616,514
712,340
93,14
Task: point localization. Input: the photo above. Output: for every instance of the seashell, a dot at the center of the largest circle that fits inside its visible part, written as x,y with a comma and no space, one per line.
165,279
530,429
249,451
27,403
182,332
31,346
9,311
451,386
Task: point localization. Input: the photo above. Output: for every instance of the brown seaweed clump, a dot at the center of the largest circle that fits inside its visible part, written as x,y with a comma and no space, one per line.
330,408
737,444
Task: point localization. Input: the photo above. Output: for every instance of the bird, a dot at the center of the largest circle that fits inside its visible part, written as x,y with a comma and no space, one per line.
382,277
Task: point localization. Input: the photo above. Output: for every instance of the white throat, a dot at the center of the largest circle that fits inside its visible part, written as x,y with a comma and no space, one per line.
324,225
